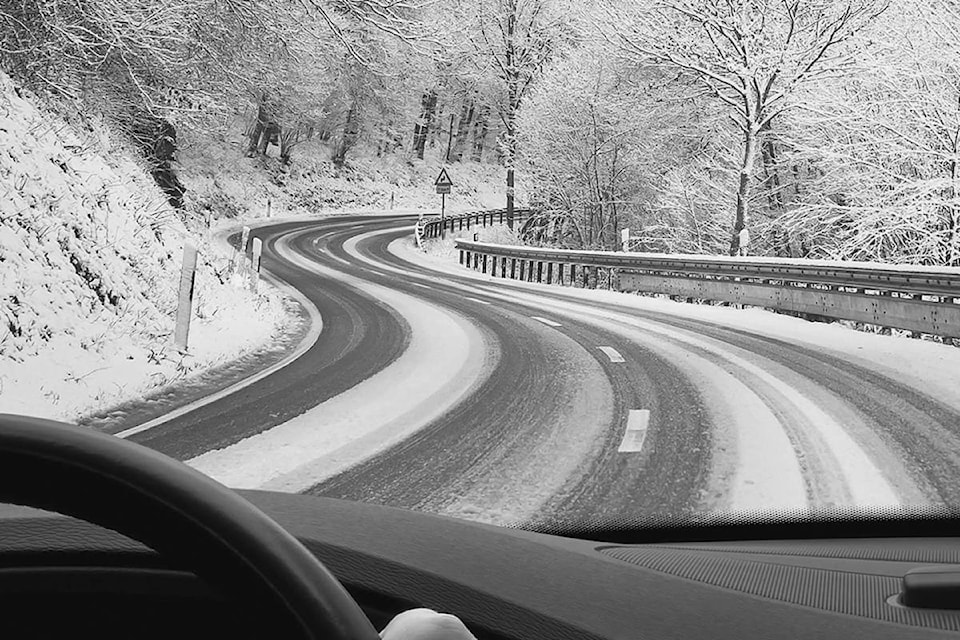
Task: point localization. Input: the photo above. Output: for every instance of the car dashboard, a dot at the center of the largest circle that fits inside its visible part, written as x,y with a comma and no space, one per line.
59,575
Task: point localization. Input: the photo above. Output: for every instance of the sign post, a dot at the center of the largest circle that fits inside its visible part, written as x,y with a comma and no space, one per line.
185,305
443,183
255,271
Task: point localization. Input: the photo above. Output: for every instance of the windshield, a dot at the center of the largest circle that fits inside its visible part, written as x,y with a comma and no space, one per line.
523,262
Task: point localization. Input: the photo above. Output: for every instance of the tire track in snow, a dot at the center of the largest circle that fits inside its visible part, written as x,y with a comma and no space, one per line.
604,483
869,441
361,337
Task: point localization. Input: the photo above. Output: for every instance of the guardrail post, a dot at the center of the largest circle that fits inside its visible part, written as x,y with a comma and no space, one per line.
549,273
501,216
573,275
461,256
539,272
513,268
484,263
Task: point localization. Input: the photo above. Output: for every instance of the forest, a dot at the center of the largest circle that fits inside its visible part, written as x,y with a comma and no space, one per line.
828,129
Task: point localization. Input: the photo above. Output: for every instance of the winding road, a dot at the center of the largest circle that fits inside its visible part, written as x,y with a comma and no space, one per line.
433,387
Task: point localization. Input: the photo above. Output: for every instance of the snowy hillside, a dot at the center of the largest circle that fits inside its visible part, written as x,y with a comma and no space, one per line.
89,264
222,182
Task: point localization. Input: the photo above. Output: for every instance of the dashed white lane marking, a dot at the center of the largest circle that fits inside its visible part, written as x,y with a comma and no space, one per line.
636,431
613,354
422,286
549,323
477,300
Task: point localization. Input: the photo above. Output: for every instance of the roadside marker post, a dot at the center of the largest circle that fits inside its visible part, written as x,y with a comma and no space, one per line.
625,239
255,270
188,272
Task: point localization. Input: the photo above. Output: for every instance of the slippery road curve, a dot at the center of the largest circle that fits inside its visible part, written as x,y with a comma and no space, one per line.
517,402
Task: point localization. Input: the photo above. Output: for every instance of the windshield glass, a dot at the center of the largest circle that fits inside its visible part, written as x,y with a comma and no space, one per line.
513,261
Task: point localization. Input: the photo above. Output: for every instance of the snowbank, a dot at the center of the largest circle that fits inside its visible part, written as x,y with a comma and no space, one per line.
89,265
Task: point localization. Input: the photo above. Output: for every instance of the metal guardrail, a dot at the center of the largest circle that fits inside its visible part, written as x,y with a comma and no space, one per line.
922,299
435,227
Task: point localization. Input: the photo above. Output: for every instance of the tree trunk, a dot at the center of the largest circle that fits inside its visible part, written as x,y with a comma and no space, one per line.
743,190
513,90
428,106
480,133
463,131
258,129
446,156
771,176
953,238
349,137
270,131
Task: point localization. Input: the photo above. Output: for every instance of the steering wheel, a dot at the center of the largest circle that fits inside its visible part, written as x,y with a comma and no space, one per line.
181,514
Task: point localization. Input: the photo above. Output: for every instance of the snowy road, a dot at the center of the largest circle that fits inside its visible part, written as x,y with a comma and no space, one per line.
436,388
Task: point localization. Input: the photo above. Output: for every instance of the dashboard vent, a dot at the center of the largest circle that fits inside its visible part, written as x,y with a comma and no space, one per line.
849,592
891,550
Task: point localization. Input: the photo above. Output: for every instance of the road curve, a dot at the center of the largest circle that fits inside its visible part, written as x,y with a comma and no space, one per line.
571,409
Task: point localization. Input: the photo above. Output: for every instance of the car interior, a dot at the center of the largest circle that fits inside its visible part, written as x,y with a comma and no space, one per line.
131,543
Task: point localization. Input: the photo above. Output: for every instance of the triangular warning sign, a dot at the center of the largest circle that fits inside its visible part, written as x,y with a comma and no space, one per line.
443,179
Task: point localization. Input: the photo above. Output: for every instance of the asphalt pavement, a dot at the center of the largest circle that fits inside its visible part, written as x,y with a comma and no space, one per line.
591,409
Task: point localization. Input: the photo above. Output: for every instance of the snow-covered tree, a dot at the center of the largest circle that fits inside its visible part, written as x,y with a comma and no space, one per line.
752,55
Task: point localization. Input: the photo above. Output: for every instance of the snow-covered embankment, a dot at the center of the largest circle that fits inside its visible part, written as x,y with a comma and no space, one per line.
89,265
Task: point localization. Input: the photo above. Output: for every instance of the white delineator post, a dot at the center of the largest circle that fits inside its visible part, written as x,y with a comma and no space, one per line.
625,239
255,264
185,307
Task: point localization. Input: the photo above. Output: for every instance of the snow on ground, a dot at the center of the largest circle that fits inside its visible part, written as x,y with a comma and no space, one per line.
446,358
90,257
928,366
221,180
764,412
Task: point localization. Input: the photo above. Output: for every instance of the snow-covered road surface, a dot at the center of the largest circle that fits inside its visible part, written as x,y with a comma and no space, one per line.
438,388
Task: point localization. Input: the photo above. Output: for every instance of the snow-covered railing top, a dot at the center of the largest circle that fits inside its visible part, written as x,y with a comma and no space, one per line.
910,279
